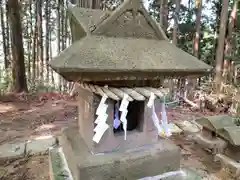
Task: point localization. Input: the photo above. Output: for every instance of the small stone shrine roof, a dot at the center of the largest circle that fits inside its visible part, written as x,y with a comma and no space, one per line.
126,42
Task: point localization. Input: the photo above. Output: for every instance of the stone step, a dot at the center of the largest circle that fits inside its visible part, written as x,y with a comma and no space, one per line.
188,127
229,164
183,174
216,144
174,129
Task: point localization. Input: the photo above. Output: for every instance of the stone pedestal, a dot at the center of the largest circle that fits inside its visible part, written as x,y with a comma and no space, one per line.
143,161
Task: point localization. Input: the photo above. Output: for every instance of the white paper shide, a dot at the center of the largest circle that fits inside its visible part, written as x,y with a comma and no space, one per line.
124,111
162,129
102,126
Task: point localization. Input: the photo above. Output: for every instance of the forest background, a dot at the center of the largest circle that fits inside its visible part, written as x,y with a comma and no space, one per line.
35,31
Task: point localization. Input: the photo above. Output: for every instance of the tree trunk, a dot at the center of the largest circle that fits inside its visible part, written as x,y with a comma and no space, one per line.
176,17
59,37
18,68
198,28
6,60
220,45
29,48
40,40
47,14
34,45
228,45
165,15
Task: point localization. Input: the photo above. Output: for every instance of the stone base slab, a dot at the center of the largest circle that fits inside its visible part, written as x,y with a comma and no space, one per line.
229,164
150,160
216,145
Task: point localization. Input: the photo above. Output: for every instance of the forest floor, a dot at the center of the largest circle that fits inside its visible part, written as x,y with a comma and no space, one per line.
28,116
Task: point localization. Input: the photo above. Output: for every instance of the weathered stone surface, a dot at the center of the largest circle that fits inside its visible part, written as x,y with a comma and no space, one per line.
57,169
216,123
185,174
12,150
174,128
230,164
188,127
215,144
40,145
133,164
112,43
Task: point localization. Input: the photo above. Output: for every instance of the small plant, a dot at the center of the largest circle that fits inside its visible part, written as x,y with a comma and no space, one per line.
237,121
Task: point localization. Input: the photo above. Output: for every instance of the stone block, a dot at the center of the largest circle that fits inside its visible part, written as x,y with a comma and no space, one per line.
229,164
12,150
40,145
175,130
215,144
57,166
188,127
149,160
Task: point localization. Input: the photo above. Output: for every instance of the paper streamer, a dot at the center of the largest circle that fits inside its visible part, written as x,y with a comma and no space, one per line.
101,130
101,126
162,129
156,121
151,100
165,121
123,109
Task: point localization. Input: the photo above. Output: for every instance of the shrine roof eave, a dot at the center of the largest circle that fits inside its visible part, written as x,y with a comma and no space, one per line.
76,75
124,55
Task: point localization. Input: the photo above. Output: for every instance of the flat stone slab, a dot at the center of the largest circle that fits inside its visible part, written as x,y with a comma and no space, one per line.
133,164
183,174
12,150
33,147
40,145
188,127
229,164
174,129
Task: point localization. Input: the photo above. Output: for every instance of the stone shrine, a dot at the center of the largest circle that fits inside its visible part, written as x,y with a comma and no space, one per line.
220,134
116,57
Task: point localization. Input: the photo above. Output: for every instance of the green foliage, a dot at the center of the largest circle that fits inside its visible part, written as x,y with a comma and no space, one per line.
237,121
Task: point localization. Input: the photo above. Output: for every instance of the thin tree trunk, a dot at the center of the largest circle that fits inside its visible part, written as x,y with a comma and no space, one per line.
196,38
18,68
228,45
220,45
40,40
30,41
6,60
198,28
176,17
7,33
47,41
59,38
165,15
34,55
